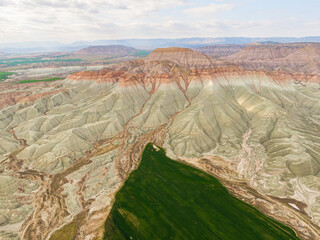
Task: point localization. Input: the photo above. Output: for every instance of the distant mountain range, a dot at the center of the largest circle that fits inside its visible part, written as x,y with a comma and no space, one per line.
292,57
146,44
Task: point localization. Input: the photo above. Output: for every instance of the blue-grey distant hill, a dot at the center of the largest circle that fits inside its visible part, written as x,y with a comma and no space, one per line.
148,44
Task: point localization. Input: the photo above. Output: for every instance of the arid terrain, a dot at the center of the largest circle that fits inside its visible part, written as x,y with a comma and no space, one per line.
248,115
290,57
40,66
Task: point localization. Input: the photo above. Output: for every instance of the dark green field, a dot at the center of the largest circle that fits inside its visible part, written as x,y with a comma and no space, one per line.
10,62
40,80
4,75
164,199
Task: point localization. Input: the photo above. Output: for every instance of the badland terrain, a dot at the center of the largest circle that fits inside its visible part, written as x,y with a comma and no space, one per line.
246,115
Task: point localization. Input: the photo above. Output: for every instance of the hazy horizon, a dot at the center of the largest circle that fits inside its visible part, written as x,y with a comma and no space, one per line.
194,37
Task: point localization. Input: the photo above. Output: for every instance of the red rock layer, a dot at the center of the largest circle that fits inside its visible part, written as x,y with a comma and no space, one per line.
295,58
179,65
182,56
21,95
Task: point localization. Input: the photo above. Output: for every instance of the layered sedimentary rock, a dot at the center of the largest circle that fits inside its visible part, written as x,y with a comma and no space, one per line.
294,58
67,151
221,50
182,56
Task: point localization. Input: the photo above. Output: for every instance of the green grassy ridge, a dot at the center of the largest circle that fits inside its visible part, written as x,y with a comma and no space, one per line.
165,199
4,75
41,80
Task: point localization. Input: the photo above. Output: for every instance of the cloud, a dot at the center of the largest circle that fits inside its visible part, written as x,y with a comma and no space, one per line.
74,20
142,5
4,3
209,10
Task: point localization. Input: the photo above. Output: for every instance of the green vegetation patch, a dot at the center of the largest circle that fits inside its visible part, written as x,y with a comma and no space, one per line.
165,199
41,80
68,232
5,75
10,62
141,53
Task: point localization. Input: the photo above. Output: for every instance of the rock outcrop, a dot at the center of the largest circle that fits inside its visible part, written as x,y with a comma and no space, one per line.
182,56
109,50
294,58
221,50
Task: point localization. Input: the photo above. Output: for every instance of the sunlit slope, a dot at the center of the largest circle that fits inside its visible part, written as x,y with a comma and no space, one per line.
164,199
270,135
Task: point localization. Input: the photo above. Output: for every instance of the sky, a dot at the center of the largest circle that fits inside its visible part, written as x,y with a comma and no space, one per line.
88,20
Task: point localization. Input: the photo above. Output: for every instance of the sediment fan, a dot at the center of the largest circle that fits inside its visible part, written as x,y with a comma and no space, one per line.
68,146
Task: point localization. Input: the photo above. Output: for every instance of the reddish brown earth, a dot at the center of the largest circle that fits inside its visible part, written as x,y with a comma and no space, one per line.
21,94
196,66
221,50
183,56
294,58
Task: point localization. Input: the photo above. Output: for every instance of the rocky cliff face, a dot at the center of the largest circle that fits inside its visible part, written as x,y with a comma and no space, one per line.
297,57
182,56
221,50
67,150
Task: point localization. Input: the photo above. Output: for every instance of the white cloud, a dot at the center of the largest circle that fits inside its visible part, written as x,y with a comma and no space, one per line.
66,20
208,11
